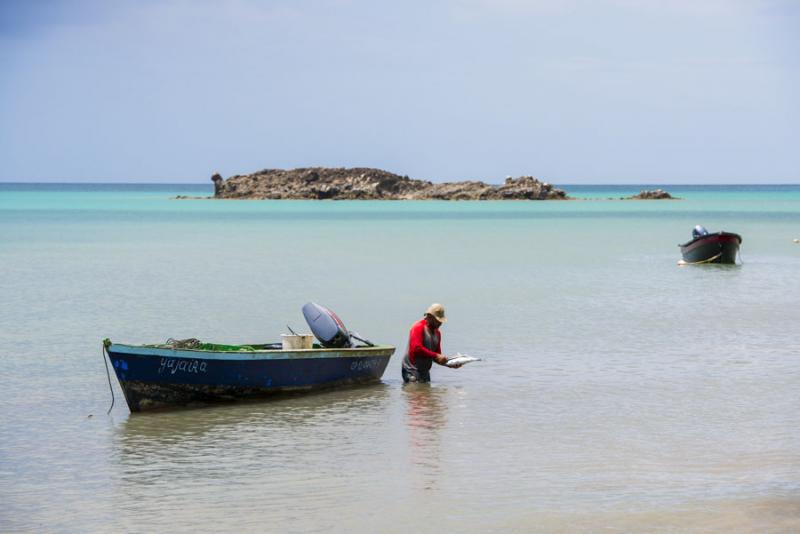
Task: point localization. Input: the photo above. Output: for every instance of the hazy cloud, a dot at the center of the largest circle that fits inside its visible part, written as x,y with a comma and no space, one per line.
614,90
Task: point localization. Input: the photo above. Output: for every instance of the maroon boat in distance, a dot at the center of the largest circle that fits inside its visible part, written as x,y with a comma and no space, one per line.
705,247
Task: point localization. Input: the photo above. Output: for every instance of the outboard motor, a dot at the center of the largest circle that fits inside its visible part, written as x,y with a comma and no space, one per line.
699,231
326,326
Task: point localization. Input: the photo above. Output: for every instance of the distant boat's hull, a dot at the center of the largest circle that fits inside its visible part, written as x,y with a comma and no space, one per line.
720,247
158,377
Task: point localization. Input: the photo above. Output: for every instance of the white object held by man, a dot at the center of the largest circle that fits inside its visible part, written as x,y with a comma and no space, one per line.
461,359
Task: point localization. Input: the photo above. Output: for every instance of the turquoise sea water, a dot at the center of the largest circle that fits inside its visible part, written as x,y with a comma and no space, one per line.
617,390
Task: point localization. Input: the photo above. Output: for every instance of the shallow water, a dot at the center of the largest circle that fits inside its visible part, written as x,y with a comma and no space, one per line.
617,391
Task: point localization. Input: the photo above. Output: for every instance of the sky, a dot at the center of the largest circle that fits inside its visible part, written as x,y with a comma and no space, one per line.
569,91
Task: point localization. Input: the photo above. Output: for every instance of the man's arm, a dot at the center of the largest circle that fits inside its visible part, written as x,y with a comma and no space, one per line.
442,359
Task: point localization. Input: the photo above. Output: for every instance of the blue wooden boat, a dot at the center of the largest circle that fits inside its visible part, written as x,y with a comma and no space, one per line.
155,376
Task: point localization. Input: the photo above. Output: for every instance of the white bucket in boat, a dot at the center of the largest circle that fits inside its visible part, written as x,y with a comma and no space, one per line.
294,342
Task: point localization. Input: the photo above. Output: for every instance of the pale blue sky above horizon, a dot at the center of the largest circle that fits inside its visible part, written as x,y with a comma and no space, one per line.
570,91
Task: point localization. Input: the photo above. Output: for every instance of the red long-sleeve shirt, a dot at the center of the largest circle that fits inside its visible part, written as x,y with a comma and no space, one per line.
416,342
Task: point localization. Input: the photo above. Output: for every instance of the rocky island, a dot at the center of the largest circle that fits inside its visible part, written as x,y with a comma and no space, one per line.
372,184
655,194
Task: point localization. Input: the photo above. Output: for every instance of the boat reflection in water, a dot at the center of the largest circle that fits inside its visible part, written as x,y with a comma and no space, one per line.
248,435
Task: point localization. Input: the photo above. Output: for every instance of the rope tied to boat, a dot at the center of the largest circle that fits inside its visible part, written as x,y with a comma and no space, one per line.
709,260
106,357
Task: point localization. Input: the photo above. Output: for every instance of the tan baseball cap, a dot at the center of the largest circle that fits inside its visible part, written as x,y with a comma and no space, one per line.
437,311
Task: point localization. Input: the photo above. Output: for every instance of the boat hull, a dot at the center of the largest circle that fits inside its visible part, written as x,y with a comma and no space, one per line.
720,247
160,377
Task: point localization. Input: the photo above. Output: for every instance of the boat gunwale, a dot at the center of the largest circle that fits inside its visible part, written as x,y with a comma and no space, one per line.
349,352
720,234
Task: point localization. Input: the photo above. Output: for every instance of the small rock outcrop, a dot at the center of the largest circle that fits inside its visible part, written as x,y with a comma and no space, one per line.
217,179
656,194
372,184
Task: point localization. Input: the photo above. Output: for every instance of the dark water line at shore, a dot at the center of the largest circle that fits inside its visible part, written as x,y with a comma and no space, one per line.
94,215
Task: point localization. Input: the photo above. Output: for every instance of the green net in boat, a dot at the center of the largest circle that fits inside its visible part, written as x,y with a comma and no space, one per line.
196,344
224,348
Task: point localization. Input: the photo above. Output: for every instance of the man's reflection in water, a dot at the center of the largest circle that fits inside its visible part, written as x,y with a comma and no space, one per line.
426,416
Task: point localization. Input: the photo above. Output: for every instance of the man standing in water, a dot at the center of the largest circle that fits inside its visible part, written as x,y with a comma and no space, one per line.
424,346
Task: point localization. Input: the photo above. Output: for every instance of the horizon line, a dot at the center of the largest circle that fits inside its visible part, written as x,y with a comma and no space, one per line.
3,182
